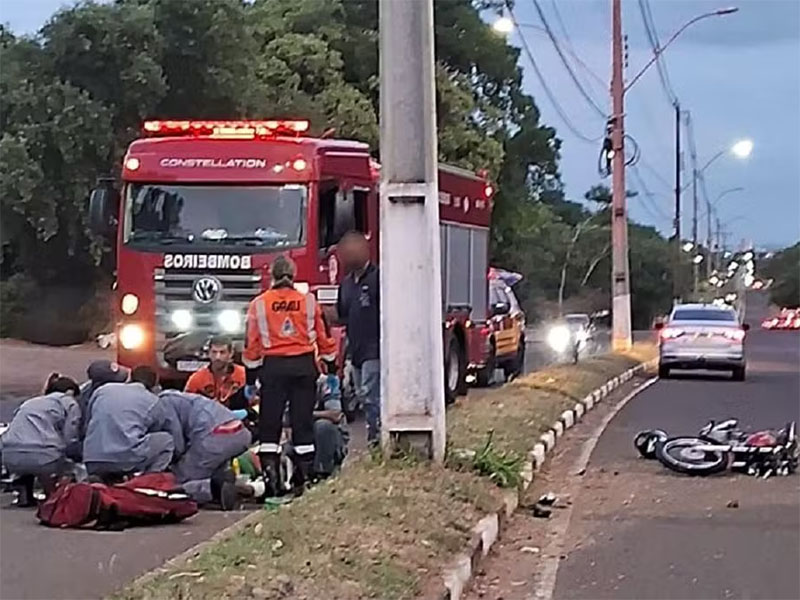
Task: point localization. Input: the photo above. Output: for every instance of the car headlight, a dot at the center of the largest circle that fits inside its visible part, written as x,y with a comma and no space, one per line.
230,320
182,319
558,338
131,336
129,304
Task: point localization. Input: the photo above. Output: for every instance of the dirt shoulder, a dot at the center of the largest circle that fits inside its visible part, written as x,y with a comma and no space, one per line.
386,529
24,366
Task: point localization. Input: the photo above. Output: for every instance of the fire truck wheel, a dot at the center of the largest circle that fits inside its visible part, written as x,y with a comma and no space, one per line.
517,366
454,371
484,376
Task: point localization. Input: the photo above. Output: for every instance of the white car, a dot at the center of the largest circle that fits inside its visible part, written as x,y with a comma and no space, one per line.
702,336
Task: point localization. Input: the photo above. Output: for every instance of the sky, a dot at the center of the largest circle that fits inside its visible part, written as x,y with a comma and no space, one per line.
738,75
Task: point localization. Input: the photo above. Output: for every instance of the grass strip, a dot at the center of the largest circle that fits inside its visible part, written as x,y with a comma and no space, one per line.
386,529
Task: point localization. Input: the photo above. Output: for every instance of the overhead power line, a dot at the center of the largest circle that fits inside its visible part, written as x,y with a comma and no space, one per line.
566,63
570,48
561,113
649,202
661,179
655,45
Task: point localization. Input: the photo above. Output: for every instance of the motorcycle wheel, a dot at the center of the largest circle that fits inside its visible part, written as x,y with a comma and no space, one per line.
647,441
680,455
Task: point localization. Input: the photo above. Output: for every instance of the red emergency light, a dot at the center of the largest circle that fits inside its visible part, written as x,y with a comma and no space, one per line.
226,129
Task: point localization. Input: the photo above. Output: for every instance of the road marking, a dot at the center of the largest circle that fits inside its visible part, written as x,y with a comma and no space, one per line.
551,553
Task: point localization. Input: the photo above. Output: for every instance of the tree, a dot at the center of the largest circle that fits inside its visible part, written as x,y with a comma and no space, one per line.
75,95
784,269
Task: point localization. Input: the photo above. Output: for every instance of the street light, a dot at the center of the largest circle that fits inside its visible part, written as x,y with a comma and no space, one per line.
725,193
503,25
698,258
659,51
687,246
742,148
620,281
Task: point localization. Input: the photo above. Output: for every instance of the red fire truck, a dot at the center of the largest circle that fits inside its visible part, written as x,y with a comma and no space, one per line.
203,206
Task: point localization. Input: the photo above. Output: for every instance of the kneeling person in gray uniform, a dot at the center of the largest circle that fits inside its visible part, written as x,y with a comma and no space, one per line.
43,438
128,429
212,437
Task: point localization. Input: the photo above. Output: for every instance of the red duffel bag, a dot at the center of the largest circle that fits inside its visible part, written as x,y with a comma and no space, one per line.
149,499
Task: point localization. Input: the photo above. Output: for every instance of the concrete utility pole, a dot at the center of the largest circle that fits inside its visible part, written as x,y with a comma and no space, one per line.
676,253
620,283
709,237
695,266
412,391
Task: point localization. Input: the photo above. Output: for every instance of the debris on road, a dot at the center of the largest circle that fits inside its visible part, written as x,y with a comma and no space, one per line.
541,512
530,549
186,574
733,504
547,499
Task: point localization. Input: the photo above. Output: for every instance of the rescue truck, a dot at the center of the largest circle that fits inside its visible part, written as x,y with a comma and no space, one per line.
203,207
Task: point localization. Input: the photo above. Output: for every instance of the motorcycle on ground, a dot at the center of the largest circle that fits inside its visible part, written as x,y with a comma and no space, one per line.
723,445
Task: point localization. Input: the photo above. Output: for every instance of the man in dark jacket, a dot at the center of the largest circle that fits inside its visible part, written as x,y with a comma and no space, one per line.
358,306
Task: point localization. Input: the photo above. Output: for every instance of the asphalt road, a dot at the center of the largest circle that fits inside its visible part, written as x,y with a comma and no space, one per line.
629,528
539,355
89,564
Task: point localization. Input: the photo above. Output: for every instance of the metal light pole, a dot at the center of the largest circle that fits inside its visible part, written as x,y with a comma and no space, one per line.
412,391
695,268
676,270
711,206
620,284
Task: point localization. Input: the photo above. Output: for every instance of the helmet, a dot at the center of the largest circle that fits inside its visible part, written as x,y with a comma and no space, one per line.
646,442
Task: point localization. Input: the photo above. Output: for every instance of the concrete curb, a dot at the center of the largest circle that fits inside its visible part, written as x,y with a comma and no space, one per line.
485,533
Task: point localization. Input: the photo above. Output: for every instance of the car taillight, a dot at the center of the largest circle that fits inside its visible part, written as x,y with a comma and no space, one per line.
670,333
736,335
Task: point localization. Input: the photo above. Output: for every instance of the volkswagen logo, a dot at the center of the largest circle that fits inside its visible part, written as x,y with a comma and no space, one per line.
206,289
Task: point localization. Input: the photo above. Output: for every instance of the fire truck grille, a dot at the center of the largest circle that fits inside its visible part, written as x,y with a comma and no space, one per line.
205,296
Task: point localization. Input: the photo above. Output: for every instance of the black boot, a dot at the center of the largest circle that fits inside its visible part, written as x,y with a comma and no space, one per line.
25,493
270,469
223,489
303,473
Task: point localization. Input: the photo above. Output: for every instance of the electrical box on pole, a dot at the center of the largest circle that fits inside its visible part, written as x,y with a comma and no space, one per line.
412,390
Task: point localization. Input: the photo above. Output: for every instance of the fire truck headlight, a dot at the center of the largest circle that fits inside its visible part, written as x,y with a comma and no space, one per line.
130,303
230,320
131,337
182,319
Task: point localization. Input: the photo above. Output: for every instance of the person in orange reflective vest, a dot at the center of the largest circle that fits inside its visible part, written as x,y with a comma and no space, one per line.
285,330
221,380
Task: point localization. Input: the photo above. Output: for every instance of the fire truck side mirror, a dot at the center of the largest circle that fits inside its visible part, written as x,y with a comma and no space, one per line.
102,211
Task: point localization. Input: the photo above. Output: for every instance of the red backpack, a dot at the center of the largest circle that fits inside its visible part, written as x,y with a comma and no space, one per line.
149,499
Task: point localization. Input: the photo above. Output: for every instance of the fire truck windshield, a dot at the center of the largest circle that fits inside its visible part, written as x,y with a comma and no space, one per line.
214,215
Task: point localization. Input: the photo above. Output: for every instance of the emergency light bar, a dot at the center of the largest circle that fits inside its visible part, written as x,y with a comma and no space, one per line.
226,129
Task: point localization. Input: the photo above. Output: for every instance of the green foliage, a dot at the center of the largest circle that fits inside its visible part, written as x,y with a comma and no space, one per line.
503,468
784,268
74,97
